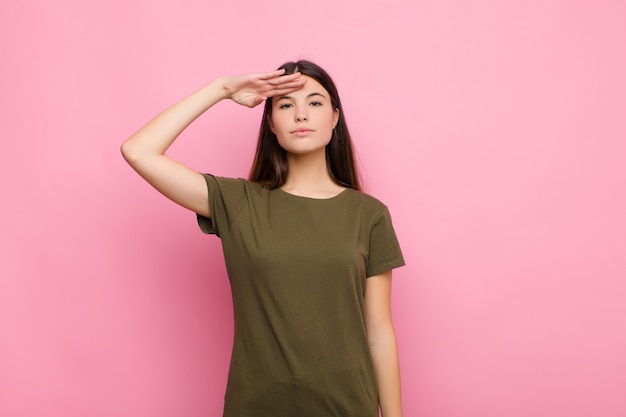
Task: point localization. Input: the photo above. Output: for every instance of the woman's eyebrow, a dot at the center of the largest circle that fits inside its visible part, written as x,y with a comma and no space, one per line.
310,95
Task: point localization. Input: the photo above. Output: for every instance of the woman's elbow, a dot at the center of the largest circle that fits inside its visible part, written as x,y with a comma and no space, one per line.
129,152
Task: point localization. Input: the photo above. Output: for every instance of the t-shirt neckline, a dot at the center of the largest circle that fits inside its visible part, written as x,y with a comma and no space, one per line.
300,197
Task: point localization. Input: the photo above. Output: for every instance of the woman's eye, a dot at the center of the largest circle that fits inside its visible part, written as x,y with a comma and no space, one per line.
284,106
316,103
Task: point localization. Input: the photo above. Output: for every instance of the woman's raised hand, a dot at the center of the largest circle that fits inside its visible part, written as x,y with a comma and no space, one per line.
251,90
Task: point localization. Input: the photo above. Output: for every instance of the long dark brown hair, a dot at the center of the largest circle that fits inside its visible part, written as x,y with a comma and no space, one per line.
270,161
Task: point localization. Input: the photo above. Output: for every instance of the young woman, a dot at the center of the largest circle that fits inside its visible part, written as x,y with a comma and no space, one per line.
309,256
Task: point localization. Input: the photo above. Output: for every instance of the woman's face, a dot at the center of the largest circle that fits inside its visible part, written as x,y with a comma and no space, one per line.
303,121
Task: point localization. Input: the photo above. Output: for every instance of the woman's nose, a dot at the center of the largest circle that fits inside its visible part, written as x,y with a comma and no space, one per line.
301,117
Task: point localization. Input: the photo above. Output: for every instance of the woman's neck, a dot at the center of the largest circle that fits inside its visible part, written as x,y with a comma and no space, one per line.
308,177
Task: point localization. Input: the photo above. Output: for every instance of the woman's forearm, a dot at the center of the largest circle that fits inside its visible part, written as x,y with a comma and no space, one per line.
384,352
157,136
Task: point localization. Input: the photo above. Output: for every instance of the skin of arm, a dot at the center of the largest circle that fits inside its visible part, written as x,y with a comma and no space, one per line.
145,149
382,343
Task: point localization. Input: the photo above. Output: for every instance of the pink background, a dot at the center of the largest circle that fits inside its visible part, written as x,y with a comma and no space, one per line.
494,130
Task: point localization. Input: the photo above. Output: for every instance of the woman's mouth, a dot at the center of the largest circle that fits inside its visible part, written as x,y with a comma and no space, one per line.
301,131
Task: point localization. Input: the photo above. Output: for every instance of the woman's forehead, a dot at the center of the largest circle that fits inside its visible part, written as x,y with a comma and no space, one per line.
312,86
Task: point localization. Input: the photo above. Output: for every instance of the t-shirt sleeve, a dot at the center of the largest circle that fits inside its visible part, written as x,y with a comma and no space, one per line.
384,249
227,196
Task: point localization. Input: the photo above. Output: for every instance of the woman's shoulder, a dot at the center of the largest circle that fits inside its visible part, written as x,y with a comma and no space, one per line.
366,201
234,188
234,182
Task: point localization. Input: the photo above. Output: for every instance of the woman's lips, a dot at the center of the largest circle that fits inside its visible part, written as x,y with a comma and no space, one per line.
301,132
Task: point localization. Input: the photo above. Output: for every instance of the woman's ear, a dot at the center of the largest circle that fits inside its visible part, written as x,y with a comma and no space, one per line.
270,123
335,118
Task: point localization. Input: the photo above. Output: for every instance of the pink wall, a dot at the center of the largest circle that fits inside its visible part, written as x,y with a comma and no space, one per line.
495,131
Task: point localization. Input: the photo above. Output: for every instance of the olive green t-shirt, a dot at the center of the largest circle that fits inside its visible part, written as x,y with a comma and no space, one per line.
297,268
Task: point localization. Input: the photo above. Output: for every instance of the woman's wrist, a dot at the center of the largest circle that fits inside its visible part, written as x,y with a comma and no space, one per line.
220,84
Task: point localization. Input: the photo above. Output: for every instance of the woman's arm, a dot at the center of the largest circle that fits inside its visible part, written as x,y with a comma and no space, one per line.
145,150
382,342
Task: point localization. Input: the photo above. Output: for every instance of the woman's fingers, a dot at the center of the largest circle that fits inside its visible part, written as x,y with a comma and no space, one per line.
271,74
253,89
286,85
283,90
277,78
